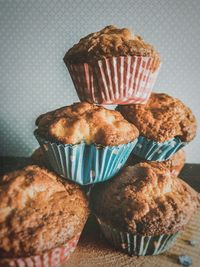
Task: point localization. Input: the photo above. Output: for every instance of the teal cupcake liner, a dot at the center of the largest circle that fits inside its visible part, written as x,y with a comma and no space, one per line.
154,151
86,164
137,245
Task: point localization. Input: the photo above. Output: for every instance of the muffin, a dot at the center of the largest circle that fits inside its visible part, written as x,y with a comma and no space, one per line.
39,158
113,66
143,208
41,218
86,143
165,125
174,164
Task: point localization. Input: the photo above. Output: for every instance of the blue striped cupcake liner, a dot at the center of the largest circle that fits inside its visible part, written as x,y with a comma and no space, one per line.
137,245
86,164
154,151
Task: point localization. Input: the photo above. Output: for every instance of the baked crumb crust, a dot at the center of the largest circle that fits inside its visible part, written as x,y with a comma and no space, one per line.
108,42
145,199
163,117
38,212
86,122
174,164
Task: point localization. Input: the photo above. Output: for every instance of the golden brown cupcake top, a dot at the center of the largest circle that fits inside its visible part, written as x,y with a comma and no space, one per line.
86,122
174,164
108,42
38,212
163,117
145,199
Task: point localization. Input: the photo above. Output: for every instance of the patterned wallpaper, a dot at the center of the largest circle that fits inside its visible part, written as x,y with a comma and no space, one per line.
35,34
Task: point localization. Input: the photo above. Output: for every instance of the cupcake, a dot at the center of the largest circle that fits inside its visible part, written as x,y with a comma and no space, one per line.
174,164
113,66
39,158
41,218
165,125
143,208
86,143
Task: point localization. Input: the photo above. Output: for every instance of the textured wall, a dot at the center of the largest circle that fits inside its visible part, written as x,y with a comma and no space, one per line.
34,36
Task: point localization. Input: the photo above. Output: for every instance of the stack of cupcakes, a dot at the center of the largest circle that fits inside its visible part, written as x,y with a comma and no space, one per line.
130,156
140,207
86,142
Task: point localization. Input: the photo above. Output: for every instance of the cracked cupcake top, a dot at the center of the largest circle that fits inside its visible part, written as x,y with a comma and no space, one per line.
108,42
163,117
145,199
38,212
174,164
86,122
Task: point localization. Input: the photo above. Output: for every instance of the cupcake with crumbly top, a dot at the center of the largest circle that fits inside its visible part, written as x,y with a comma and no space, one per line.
175,164
86,143
113,66
143,208
41,218
165,124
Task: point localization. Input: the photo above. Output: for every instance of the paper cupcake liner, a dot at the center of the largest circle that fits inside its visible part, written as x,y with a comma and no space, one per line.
137,245
51,258
86,164
115,80
154,151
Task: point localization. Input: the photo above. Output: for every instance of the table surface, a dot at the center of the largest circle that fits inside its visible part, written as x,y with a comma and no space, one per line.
93,249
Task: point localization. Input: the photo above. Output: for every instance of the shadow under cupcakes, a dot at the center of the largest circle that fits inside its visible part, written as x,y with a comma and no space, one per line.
139,211
165,124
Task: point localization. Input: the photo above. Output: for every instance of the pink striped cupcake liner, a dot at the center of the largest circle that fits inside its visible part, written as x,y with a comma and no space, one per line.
115,80
51,258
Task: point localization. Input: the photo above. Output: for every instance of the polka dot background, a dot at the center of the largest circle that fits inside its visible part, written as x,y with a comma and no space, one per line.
35,34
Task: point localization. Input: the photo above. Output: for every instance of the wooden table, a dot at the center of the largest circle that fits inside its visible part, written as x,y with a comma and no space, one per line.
93,250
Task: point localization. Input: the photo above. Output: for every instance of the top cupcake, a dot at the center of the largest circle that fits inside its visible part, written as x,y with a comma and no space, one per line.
113,66
108,42
86,122
162,118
